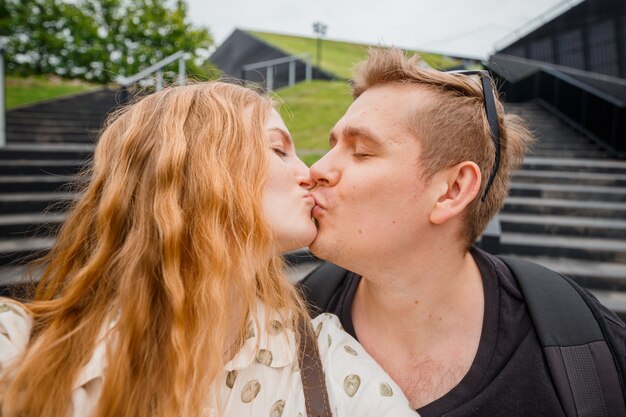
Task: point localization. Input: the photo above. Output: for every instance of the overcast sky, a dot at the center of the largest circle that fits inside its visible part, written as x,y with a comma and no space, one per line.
456,27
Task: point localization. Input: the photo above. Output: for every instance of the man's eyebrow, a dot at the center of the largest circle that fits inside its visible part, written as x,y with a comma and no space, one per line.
353,131
363,133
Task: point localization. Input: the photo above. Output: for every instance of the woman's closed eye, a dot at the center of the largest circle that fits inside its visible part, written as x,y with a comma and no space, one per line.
280,152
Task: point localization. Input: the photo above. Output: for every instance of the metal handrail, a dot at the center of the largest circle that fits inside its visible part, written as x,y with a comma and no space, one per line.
558,71
271,63
582,86
534,23
156,68
570,99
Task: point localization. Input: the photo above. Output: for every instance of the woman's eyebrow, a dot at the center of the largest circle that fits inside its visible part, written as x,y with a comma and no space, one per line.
285,136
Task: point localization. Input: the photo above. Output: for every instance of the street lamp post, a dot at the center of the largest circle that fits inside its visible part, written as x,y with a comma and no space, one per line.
320,29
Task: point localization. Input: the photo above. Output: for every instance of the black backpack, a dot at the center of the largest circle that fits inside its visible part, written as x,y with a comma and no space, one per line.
586,360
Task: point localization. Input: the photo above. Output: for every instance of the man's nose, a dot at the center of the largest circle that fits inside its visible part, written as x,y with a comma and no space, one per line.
325,171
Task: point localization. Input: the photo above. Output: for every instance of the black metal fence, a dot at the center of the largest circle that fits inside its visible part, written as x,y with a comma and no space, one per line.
591,36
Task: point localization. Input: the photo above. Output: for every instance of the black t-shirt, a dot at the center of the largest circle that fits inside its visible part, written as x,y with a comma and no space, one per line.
509,375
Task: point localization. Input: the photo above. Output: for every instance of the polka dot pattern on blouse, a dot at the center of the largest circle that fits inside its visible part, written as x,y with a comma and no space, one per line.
263,379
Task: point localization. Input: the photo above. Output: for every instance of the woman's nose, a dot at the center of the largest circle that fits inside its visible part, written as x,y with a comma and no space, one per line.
303,175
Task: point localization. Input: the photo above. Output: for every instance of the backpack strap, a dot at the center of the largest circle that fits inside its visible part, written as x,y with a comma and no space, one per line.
585,369
318,287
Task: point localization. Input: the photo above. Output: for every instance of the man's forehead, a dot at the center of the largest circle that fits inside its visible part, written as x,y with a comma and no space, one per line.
384,110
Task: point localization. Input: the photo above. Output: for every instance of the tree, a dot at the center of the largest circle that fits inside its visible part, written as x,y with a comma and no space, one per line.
98,40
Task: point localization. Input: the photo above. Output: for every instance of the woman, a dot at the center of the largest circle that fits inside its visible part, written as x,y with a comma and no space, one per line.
164,294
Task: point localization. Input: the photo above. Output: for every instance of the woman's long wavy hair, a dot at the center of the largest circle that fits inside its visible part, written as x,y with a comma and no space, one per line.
169,241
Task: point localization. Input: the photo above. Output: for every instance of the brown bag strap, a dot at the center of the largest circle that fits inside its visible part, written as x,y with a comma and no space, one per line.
312,373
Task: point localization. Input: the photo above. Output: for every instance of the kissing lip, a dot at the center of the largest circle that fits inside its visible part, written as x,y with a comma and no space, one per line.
310,197
317,202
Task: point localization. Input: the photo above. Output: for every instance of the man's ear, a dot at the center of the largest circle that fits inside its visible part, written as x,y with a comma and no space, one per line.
457,186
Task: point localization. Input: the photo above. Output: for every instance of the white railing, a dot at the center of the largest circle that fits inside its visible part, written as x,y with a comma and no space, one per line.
158,70
270,64
3,130
125,82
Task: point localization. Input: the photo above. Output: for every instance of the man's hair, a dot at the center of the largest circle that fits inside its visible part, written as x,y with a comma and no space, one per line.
452,127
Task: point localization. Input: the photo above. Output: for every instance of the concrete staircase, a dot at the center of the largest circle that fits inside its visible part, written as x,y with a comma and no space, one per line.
567,208
47,145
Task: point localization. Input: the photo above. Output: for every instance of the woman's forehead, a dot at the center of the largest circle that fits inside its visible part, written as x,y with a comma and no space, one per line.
274,121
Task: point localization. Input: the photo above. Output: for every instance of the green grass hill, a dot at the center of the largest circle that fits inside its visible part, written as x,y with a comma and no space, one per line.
310,110
21,91
339,57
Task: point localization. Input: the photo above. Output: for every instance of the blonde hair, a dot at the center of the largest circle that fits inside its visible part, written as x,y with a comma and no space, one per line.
168,234
452,127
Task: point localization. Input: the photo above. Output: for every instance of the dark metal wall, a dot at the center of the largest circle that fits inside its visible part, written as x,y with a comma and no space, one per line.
591,36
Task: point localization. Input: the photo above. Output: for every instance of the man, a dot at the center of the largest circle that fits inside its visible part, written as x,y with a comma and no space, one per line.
411,181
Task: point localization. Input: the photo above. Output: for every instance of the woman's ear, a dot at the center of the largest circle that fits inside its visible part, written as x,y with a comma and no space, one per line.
458,186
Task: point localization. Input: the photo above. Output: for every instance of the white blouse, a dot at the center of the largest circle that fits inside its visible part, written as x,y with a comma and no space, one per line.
262,379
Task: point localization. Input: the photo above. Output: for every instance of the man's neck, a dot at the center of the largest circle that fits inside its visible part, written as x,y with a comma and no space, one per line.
422,321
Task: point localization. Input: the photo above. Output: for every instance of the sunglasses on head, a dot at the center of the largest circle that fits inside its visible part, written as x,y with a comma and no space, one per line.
492,118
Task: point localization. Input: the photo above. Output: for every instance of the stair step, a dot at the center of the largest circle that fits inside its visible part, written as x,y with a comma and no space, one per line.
36,183
47,151
613,300
564,145
556,138
30,224
23,250
579,165
568,192
77,108
38,130
566,153
39,167
12,275
19,123
583,248
604,276
35,202
529,205
52,137
94,119
567,177
563,225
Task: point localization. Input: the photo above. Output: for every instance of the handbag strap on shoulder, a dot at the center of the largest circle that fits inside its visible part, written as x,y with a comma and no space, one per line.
312,374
